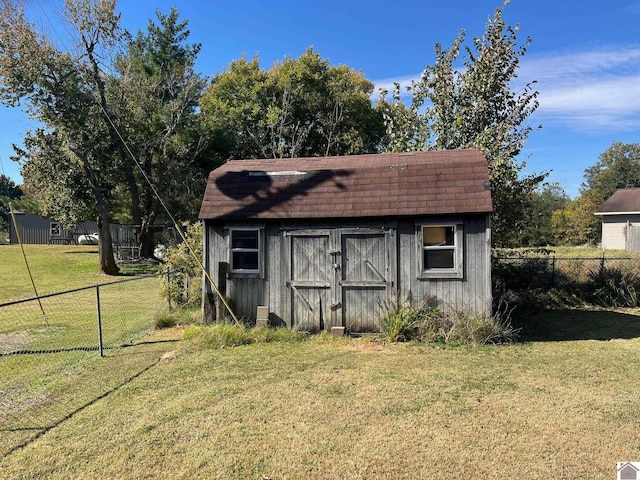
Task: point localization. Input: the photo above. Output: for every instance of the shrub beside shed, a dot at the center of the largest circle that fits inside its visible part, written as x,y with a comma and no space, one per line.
321,241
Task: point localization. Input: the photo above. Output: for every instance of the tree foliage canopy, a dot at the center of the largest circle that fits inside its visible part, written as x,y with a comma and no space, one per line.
538,228
67,94
300,107
617,167
474,107
116,88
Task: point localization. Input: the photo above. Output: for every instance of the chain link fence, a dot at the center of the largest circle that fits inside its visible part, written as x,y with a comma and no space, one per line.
52,349
546,272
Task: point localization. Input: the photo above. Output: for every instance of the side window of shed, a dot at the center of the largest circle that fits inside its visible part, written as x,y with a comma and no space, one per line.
246,251
440,250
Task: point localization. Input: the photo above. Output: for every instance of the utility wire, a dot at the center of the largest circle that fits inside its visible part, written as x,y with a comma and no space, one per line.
153,188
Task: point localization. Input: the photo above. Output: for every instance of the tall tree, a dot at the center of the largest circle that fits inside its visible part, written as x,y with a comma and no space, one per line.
474,107
67,94
617,167
156,95
143,90
300,107
575,224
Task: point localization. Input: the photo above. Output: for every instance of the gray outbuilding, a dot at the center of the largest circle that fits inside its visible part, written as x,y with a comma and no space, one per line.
320,242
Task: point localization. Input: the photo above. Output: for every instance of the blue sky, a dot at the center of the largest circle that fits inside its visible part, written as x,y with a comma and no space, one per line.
584,55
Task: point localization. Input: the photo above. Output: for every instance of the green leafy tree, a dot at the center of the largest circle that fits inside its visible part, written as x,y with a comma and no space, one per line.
183,284
617,167
9,192
67,94
300,107
142,90
155,96
8,188
538,230
576,224
474,107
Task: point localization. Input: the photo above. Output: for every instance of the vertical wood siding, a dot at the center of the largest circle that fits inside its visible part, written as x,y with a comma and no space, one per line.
340,272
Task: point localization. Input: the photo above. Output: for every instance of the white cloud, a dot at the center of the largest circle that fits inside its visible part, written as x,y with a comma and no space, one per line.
588,90
584,90
388,84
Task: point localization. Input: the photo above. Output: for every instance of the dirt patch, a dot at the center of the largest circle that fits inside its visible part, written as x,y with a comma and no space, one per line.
14,341
367,346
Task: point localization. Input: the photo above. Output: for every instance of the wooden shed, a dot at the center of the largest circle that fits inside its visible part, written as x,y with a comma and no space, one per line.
320,241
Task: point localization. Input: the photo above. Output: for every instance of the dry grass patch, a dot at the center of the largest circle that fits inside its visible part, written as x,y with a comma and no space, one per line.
356,409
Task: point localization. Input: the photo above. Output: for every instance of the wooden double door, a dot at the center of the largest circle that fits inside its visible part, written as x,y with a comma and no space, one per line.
338,277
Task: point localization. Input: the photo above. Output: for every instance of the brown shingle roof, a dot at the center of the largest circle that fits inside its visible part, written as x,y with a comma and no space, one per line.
626,200
381,185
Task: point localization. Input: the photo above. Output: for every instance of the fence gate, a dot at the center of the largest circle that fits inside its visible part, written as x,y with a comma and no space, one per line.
633,238
336,277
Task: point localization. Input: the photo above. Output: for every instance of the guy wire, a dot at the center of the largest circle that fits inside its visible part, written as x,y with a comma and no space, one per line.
24,255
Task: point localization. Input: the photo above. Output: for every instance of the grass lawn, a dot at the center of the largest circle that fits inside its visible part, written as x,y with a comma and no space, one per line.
54,268
563,404
346,408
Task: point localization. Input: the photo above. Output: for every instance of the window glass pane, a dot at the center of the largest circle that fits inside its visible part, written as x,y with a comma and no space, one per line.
437,236
244,239
245,260
438,259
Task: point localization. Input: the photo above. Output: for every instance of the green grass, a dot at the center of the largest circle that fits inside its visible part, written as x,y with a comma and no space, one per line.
54,268
346,408
564,404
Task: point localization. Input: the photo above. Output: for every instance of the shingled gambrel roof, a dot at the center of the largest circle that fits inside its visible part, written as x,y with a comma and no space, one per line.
381,185
623,201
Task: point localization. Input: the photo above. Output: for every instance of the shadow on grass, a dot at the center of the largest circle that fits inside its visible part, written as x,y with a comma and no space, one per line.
565,325
40,431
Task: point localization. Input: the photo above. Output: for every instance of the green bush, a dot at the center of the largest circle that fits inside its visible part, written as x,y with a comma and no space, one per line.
401,319
182,279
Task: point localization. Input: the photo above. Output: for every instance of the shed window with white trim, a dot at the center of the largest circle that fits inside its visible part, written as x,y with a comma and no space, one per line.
440,251
246,250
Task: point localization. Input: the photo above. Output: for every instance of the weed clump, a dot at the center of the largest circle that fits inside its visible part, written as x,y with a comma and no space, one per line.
179,316
404,320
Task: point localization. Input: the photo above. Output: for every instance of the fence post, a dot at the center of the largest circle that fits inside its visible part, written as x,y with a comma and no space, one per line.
99,312
553,271
168,289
